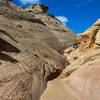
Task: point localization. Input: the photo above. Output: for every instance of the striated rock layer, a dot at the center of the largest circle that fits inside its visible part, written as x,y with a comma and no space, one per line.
80,80
31,43
45,27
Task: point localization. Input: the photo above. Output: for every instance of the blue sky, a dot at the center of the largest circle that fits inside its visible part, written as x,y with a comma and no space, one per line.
78,15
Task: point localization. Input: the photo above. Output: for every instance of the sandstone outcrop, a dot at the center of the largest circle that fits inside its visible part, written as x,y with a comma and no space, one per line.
31,44
37,8
57,34
80,80
82,84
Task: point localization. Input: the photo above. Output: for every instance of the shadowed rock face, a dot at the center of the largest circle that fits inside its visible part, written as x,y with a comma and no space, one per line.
31,44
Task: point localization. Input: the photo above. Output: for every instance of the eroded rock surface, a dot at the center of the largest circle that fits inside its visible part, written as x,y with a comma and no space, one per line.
45,27
80,80
31,44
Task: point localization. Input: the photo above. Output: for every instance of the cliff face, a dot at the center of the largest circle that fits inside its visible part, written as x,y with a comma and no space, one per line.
31,43
44,26
80,80
31,46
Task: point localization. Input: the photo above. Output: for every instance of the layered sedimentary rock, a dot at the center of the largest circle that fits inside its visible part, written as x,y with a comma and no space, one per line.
31,44
44,26
80,80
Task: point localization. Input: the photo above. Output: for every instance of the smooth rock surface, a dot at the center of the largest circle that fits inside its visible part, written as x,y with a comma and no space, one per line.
82,84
